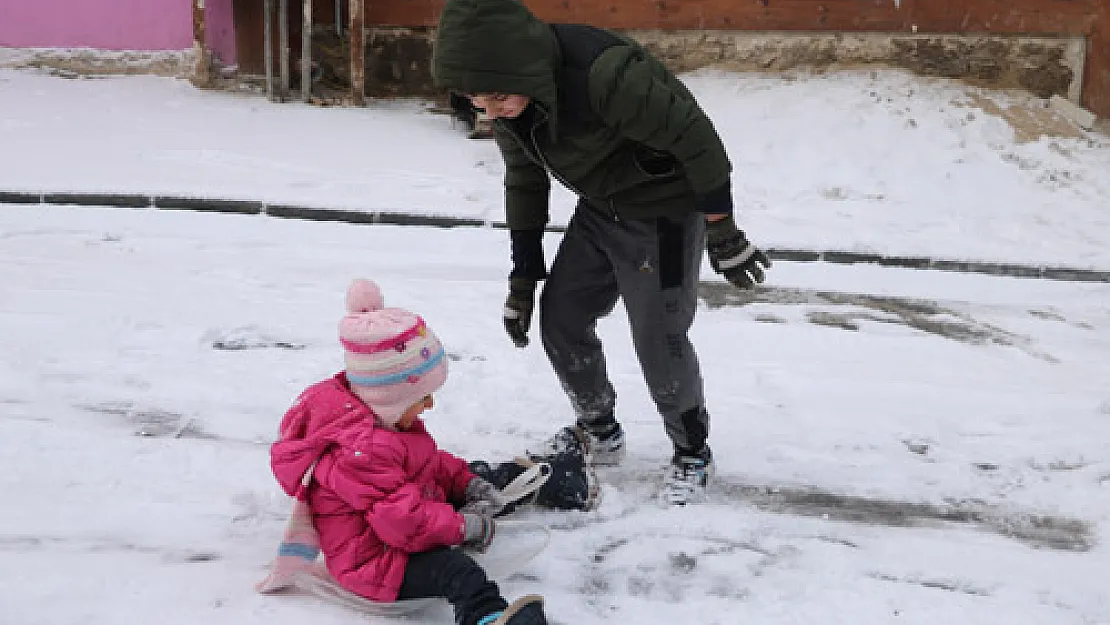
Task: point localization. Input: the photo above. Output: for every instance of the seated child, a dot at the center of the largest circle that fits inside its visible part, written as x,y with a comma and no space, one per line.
385,505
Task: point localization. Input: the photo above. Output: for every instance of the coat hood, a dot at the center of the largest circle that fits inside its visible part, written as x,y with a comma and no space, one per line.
495,46
292,459
301,443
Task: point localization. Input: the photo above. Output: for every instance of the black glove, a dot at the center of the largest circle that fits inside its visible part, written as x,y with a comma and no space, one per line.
478,531
731,255
518,309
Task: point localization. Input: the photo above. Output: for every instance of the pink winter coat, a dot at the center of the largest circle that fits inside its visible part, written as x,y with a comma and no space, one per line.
377,495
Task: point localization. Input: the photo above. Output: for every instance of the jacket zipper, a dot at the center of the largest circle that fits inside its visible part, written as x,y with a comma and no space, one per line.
551,170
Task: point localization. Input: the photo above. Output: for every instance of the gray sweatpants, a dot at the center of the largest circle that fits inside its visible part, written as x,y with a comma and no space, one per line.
653,265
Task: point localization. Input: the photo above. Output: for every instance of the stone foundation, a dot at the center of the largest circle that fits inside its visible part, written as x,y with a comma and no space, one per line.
88,61
1043,65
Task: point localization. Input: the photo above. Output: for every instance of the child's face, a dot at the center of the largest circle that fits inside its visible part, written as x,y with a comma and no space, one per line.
410,415
498,105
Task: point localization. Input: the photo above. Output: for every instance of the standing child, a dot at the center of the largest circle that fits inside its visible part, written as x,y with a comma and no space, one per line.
387,505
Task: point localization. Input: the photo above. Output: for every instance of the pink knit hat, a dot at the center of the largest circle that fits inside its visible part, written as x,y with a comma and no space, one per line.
393,358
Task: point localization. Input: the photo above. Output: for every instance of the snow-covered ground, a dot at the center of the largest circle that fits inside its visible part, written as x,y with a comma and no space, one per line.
863,161
110,321
893,446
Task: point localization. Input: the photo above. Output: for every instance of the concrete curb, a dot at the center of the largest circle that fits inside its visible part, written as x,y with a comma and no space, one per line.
248,207
383,218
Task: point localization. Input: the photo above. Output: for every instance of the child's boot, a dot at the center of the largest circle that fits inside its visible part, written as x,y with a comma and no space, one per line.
572,484
528,610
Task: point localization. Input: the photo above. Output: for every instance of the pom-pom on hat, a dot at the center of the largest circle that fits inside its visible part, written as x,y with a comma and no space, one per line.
393,359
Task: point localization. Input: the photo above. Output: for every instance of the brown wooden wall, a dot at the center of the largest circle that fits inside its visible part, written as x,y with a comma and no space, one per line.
1088,18
1096,80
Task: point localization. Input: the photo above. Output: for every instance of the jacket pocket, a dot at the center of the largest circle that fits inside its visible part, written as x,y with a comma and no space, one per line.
654,163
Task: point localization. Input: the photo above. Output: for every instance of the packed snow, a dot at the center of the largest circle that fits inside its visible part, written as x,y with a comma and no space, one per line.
892,446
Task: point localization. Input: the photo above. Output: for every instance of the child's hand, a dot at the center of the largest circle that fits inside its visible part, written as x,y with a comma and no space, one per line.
478,531
483,498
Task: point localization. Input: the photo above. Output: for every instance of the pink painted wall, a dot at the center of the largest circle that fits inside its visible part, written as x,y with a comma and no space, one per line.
145,25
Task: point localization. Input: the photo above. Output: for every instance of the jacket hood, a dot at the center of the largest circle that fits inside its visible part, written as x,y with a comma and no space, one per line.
291,460
495,46
301,444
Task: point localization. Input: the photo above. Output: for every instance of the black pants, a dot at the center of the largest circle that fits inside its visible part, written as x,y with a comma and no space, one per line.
653,266
455,576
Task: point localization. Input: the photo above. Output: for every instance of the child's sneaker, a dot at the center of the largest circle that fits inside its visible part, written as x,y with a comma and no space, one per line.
604,451
686,479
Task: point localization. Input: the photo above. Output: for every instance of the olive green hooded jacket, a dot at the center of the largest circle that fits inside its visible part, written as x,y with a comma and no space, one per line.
607,119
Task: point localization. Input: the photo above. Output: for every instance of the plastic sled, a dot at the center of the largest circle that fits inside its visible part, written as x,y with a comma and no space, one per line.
517,543
297,565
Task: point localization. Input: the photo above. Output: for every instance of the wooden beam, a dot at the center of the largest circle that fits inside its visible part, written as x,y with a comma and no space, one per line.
202,74
358,53
1023,17
1096,74
683,14
1030,17
306,51
283,46
268,47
